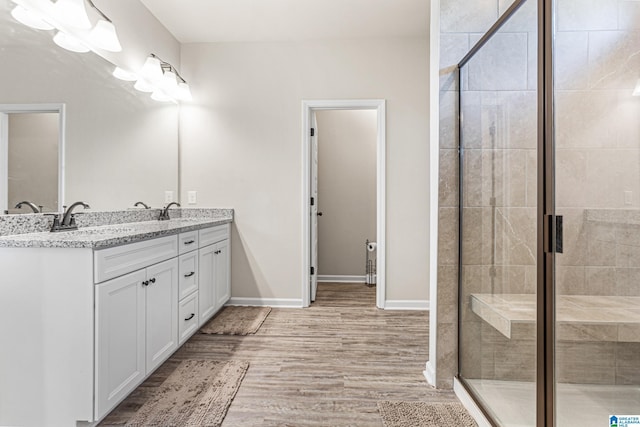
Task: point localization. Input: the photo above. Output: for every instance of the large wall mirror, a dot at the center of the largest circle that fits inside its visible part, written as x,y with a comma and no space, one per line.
116,146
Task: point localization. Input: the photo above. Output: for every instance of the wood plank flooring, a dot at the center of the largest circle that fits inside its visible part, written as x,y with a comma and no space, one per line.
326,365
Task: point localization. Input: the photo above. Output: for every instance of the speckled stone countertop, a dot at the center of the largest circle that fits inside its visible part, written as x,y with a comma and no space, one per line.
115,234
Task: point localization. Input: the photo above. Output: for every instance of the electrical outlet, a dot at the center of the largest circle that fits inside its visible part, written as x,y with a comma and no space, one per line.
192,197
168,196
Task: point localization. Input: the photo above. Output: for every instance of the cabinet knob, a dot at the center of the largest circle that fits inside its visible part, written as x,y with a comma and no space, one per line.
190,274
190,317
145,283
152,280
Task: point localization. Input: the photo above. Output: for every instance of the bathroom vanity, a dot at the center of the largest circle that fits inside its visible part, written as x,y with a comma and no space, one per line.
87,315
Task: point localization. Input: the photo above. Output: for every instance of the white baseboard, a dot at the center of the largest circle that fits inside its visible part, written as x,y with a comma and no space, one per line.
469,404
430,374
399,304
266,302
341,279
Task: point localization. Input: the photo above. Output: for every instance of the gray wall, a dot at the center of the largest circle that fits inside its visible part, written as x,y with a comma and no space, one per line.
241,146
346,189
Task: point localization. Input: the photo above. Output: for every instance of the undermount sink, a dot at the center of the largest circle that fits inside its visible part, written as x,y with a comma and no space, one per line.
103,230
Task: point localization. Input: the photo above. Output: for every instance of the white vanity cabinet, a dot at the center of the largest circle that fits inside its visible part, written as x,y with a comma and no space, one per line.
136,317
82,327
214,271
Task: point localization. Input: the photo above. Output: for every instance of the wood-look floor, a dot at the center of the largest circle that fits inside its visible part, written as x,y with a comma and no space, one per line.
326,365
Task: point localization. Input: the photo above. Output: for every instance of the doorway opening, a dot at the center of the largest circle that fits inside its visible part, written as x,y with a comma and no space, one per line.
310,196
32,153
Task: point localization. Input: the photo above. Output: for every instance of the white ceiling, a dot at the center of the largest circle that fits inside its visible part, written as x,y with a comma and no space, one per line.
195,21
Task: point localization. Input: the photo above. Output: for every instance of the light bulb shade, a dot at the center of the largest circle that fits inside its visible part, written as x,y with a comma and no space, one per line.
184,93
169,81
636,91
69,42
30,18
151,70
144,86
159,95
104,36
72,13
125,75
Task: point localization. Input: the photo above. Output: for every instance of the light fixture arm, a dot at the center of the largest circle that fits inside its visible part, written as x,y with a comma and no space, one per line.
105,17
167,66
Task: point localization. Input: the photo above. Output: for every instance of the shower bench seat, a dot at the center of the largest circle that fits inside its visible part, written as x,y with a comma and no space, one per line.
578,317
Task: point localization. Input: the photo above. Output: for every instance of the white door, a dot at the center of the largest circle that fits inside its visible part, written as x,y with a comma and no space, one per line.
120,339
207,286
314,207
161,312
4,162
223,284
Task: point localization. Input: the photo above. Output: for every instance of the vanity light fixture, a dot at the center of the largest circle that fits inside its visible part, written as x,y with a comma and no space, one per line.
160,78
636,91
70,19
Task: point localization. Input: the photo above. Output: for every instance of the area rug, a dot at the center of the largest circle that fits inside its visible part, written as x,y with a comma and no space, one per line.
423,414
237,320
198,393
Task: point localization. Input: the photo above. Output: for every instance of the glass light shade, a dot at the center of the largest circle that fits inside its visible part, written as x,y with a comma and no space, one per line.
636,91
159,95
169,82
151,70
104,36
69,42
184,93
72,13
144,86
30,18
125,75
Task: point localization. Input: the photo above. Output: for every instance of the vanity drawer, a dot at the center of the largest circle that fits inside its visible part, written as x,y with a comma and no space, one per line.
188,274
188,241
215,234
188,317
119,260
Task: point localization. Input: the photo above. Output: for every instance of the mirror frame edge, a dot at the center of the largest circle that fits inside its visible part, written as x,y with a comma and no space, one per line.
5,110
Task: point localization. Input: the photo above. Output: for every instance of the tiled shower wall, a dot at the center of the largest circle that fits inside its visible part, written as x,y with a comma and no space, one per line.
598,167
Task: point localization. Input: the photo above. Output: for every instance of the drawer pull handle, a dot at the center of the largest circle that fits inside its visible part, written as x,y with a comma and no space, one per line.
190,274
145,283
188,242
153,280
190,317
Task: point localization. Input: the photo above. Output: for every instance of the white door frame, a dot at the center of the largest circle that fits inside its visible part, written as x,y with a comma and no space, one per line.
357,104
4,146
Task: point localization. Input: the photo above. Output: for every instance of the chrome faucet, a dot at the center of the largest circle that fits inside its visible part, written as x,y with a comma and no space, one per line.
164,215
143,204
68,222
33,207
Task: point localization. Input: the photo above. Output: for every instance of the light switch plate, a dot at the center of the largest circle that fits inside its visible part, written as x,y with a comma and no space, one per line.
192,197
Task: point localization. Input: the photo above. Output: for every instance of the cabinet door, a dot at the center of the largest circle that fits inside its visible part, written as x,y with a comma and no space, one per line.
223,282
162,312
120,339
207,278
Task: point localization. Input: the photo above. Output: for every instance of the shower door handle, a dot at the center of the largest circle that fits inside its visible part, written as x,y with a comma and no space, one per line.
558,231
553,234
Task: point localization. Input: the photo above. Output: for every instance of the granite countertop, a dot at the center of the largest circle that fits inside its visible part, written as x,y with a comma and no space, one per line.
101,237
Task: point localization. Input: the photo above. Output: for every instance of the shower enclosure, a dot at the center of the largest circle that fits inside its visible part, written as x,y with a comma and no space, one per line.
549,267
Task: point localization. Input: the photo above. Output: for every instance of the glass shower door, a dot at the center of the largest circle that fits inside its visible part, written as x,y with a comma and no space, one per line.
498,273
597,192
